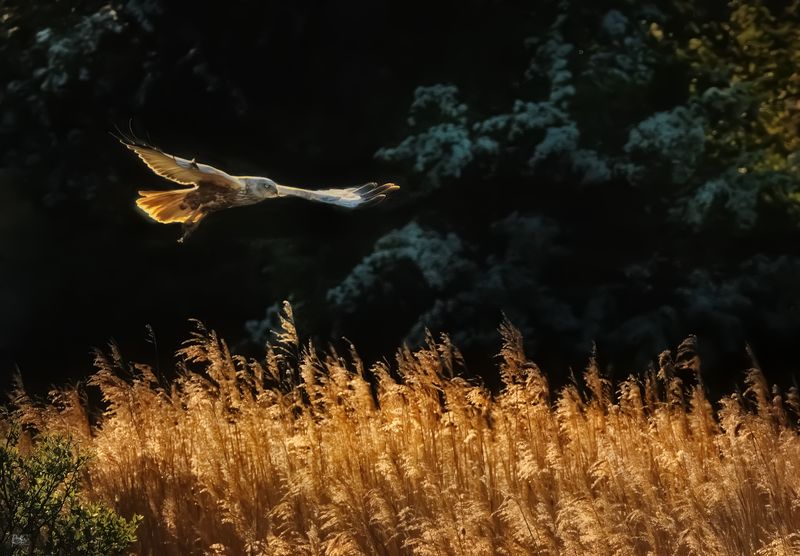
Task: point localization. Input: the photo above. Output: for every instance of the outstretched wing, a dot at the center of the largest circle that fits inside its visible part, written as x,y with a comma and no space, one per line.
177,169
350,197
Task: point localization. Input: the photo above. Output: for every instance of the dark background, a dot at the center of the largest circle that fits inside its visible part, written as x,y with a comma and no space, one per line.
307,93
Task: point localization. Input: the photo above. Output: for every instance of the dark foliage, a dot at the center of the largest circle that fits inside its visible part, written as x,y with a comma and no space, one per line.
614,174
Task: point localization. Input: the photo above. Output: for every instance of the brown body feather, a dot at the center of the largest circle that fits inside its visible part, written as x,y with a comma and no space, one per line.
190,205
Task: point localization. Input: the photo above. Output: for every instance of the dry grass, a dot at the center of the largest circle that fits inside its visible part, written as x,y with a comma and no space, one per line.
313,454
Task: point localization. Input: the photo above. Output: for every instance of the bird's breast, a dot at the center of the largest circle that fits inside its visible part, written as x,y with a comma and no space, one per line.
211,198
246,197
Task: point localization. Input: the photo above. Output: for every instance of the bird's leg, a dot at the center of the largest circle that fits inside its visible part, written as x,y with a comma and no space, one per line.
190,224
188,228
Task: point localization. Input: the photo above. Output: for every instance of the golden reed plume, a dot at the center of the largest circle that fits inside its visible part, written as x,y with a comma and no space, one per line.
309,453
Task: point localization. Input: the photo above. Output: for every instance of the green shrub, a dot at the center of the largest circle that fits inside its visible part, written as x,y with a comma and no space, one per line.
41,511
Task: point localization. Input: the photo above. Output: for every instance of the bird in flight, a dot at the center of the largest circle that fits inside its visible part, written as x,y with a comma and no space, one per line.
212,189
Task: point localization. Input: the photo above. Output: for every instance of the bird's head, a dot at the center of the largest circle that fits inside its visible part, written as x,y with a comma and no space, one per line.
262,187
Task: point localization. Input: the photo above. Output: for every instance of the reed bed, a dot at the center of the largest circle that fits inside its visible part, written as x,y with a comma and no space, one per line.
312,453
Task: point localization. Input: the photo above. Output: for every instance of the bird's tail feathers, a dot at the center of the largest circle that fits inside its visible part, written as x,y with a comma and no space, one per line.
167,206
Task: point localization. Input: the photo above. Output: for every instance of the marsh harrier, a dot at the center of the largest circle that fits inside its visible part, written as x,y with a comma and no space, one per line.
211,189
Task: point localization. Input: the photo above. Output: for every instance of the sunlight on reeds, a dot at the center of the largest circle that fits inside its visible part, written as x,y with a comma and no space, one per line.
311,453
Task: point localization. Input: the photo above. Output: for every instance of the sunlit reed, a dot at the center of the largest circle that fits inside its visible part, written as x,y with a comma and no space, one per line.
311,453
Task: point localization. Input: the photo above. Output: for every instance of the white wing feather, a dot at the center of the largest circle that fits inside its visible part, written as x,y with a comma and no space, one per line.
350,197
177,169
